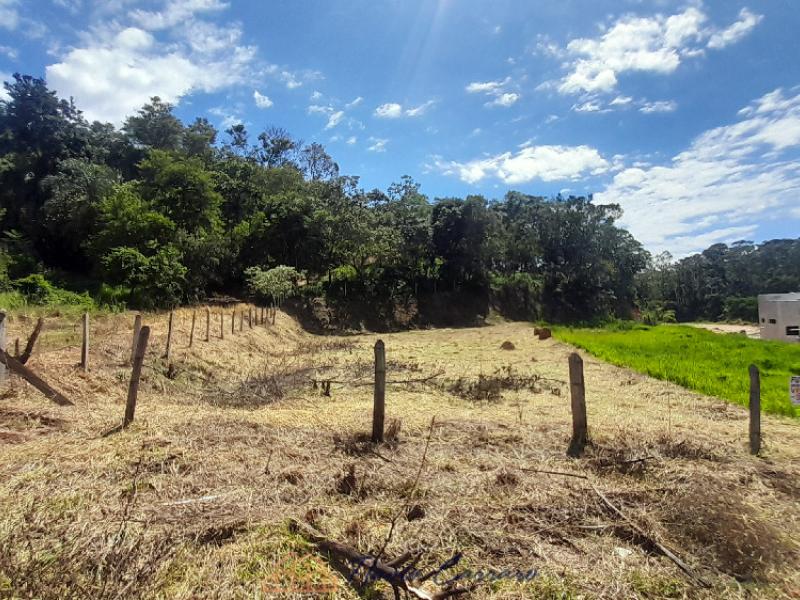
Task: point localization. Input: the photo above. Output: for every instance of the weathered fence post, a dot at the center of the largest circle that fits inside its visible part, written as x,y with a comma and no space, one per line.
578,398
3,371
208,324
222,325
379,405
250,317
241,320
85,344
755,410
233,322
169,335
26,354
133,388
137,327
191,331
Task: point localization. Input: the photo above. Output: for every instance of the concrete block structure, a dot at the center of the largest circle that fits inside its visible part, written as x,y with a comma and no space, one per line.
779,317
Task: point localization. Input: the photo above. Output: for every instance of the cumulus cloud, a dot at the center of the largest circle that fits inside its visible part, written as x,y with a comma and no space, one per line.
9,15
497,91
118,69
3,93
716,189
378,144
659,106
747,21
656,44
545,163
393,110
334,119
261,100
175,12
390,110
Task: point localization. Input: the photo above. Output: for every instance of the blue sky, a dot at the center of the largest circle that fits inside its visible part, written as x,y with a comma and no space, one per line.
687,114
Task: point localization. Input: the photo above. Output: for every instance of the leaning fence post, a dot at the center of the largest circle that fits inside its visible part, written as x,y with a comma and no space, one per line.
379,404
3,371
169,335
755,410
208,324
191,332
137,327
85,344
133,388
578,398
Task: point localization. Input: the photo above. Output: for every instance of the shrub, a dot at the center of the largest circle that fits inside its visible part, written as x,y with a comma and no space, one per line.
741,309
274,285
38,290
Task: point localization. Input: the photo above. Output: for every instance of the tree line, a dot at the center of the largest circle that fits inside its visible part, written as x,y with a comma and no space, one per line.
159,213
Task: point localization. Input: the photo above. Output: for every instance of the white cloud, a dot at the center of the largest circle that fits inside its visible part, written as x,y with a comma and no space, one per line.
3,93
10,52
659,106
621,101
176,12
354,103
351,140
505,100
227,118
316,96
496,90
420,110
334,119
588,106
393,110
632,44
390,110
545,163
117,70
728,179
746,23
655,44
378,144
261,100
9,16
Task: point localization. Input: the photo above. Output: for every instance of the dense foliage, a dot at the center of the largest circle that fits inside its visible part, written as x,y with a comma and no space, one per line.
160,212
721,282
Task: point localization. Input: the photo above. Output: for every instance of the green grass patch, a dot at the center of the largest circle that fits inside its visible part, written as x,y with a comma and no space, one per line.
697,359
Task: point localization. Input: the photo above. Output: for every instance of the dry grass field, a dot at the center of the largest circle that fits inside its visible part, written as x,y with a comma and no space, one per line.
193,499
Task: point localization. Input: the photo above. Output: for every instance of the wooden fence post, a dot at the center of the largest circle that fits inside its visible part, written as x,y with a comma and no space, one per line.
578,397
250,317
208,324
133,387
137,327
233,322
85,344
241,320
3,371
755,410
222,325
379,404
191,331
169,335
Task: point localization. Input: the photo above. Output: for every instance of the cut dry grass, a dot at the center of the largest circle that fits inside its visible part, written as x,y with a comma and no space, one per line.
193,499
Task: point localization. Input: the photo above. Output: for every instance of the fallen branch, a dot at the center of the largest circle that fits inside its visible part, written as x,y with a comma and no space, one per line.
356,383
40,384
562,473
387,571
26,354
660,547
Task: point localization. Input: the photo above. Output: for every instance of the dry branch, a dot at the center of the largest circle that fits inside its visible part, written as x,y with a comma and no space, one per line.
389,571
26,354
40,384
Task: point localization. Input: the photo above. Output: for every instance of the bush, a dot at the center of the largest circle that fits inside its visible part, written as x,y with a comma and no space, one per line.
274,285
38,290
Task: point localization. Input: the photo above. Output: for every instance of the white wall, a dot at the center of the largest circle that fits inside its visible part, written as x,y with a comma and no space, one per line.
776,313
